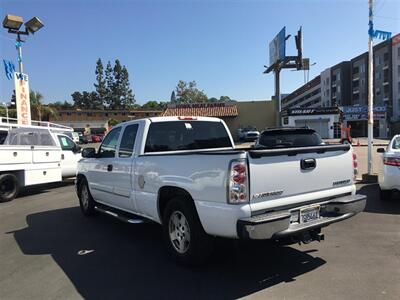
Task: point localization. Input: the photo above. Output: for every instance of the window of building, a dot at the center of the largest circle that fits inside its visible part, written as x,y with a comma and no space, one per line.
338,76
386,56
128,141
398,69
338,88
377,60
398,86
398,52
378,75
362,68
68,113
356,70
378,91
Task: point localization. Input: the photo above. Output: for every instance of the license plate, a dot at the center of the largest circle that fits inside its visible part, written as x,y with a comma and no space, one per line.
309,214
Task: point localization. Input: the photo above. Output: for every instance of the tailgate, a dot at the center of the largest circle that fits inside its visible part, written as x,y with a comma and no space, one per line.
277,174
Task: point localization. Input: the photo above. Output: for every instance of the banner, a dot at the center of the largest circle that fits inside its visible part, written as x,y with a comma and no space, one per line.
22,100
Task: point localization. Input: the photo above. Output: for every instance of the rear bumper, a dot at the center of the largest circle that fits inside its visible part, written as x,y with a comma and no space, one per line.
282,223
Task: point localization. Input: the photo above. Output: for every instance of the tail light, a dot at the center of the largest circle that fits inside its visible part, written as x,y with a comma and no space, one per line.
238,182
392,161
355,165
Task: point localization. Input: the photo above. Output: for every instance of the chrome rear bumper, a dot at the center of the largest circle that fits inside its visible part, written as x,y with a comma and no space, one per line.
280,224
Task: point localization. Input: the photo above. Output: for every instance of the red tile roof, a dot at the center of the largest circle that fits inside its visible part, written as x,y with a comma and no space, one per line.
202,110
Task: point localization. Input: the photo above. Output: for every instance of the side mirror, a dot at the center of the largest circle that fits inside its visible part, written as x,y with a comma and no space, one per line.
89,153
380,150
77,149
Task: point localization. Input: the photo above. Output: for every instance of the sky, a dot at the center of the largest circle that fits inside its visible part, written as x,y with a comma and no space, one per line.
222,45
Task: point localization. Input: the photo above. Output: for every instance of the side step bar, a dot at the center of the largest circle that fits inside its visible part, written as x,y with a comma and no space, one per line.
124,217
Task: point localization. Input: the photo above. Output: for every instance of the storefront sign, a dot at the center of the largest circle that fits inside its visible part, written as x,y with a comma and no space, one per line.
361,112
311,111
201,105
22,98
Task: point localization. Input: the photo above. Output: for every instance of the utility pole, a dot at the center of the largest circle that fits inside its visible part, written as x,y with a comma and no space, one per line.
370,87
277,73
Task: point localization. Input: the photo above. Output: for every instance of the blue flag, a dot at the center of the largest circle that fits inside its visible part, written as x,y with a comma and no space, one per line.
9,67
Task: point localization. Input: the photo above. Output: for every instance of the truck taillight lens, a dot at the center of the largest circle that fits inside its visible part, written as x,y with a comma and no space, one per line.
355,165
238,182
392,161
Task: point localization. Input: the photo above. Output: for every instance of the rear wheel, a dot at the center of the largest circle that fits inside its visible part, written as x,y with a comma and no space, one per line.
184,235
86,201
386,194
9,187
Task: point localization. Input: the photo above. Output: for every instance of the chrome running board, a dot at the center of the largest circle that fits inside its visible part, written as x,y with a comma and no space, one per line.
122,218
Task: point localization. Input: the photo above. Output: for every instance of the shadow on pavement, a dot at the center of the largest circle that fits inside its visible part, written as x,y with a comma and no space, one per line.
105,258
43,188
377,205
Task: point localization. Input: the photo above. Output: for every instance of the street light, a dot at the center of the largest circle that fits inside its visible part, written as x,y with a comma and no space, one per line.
13,25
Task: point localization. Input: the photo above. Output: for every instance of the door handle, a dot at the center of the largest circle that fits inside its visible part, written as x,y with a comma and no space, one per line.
308,164
109,168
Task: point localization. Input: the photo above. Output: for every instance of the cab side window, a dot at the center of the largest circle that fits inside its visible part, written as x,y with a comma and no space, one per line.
128,141
109,145
66,143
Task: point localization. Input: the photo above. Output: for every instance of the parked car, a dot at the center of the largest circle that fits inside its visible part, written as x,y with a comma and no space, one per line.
185,174
286,137
31,155
249,133
389,171
96,138
83,138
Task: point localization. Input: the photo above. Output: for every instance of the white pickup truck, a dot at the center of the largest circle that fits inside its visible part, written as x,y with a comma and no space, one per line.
185,173
37,154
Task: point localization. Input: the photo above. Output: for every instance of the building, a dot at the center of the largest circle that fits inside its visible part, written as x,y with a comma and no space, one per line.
340,84
260,114
324,120
345,85
308,95
97,120
396,82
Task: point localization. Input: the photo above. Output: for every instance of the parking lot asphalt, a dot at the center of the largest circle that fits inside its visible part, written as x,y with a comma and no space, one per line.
48,250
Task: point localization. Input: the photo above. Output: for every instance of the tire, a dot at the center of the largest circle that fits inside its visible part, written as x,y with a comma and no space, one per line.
86,201
386,195
184,236
9,187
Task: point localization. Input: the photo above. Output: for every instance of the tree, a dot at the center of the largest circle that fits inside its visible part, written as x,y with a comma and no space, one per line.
173,97
100,84
109,84
87,100
127,97
189,93
154,105
224,99
38,109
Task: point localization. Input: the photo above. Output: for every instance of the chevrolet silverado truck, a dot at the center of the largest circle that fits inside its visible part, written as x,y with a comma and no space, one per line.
186,174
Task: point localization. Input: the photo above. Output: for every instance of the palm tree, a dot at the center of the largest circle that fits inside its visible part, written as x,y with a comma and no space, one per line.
37,105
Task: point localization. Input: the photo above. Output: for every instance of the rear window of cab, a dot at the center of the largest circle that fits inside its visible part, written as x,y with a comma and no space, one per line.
186,135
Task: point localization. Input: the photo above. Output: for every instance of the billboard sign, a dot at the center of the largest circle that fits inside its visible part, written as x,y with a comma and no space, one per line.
354,113
277,47
22,98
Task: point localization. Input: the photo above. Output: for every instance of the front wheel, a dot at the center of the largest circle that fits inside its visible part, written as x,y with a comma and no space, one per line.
184,235
9,187
86,201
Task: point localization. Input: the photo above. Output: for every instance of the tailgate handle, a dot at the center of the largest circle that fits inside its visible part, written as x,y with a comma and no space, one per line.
308,164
